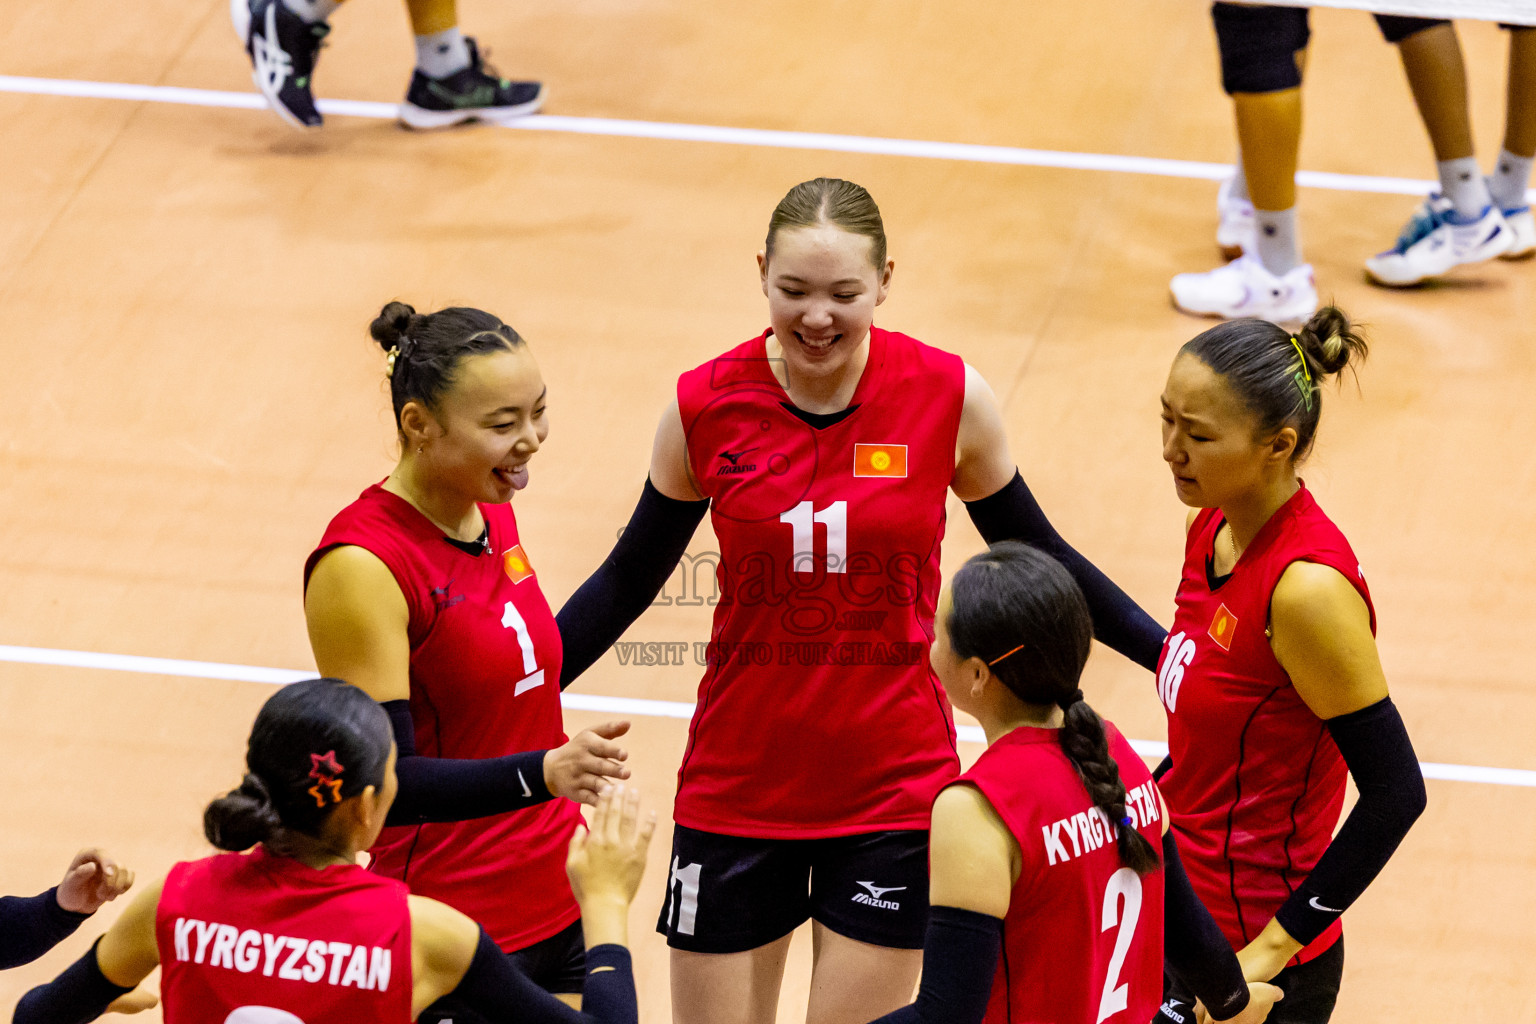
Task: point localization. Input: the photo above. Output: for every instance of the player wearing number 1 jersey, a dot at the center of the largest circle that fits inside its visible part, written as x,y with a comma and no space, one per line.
422,593
1270,677
824,449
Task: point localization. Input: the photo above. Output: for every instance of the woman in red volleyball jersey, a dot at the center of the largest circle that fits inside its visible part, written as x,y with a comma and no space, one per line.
826,449
1045,850
422,593
294,932
1270,677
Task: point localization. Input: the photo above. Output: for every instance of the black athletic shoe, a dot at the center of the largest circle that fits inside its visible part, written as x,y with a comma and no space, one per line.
475,93
283,48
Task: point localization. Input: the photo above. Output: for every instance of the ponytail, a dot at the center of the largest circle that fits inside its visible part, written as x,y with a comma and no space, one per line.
1086,746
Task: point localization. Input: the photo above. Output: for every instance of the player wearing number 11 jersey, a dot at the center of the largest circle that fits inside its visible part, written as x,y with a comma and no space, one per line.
824,449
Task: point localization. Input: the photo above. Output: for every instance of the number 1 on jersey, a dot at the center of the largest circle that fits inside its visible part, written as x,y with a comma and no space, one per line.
532,675
802,519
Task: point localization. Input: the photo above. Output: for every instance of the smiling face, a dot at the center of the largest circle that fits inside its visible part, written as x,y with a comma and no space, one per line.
486,427
1209,439
822,288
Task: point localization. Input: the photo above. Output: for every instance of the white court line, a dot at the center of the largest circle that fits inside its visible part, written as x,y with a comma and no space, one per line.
593,702
919,148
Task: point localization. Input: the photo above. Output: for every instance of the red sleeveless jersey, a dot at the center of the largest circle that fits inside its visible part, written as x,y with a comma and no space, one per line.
485,682
1083,939
1257,782
253,938
818,714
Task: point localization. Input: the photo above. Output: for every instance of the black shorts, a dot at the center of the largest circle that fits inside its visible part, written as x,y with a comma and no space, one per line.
1310,990
557,964
729,894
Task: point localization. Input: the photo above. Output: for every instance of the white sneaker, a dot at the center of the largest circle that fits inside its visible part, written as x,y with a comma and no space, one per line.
1522,229
1234,222
1245,288
1436,240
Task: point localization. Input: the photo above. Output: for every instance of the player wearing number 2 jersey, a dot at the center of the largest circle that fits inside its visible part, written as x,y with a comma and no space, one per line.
422,593
1046,850
1270,677
825,449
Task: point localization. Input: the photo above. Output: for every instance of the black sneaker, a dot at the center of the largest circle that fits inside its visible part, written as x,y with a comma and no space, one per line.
283,48
475,93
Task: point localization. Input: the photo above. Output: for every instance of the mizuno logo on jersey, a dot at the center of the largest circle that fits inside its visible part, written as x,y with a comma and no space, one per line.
282,956
734,458
1223,627
440,598
875,896
880,460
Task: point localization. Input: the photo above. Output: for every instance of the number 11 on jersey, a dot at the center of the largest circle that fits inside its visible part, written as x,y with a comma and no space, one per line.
802,519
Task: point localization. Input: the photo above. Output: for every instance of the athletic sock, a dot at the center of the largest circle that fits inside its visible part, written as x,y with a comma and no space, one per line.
1276,239
312,11
442,53
1239,188
1511,177
1462,183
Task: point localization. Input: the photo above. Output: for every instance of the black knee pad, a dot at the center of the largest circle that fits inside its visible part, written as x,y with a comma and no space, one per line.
1258,46
1395,28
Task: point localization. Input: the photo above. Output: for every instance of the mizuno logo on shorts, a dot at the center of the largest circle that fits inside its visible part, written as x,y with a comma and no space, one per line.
873,897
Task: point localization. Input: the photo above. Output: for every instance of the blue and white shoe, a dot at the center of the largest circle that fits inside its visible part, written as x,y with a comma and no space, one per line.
1522,229
1436,240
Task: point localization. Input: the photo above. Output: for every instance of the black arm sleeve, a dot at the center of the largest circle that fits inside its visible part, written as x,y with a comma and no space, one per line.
497,990
1013,514
1380,757
1194,947
32,925
960,955
80,994
626,583
443,789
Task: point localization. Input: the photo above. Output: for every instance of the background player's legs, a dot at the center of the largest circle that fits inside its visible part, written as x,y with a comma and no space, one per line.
853,982
729,988
1262,54
452,84
1512,173
282,38
1463,225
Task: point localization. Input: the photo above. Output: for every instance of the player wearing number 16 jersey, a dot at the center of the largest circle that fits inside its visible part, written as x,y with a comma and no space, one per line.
1270,677
421,593
826,449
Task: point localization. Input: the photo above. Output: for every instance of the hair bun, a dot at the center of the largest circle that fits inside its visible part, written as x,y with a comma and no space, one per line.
1331,341
392,323
242,817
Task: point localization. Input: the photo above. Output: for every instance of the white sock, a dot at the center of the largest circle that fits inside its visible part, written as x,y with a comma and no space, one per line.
441,53
1511,177
1461,181
1239,188
1276,239
312,10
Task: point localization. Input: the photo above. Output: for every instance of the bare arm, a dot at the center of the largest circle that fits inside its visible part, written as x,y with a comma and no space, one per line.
358,622
983,462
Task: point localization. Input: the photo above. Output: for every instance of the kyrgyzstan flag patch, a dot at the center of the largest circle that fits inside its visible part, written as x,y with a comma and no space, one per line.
1222,627
517,565
880,460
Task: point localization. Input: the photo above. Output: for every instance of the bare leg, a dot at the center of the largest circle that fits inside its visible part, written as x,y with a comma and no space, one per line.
1269,134
729,988
854,982
1438,77
1520,115
429,17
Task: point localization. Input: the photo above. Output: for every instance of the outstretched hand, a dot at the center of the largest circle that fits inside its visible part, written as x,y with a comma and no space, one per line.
136,1001
605,863
1262,998
93,879
589,761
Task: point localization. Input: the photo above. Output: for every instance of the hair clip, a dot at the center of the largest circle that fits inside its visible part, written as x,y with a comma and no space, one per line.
326,771
389,361
1000,657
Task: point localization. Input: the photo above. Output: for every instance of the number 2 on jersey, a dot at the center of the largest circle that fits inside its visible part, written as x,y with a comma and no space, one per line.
802,520
532,675
1123,884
